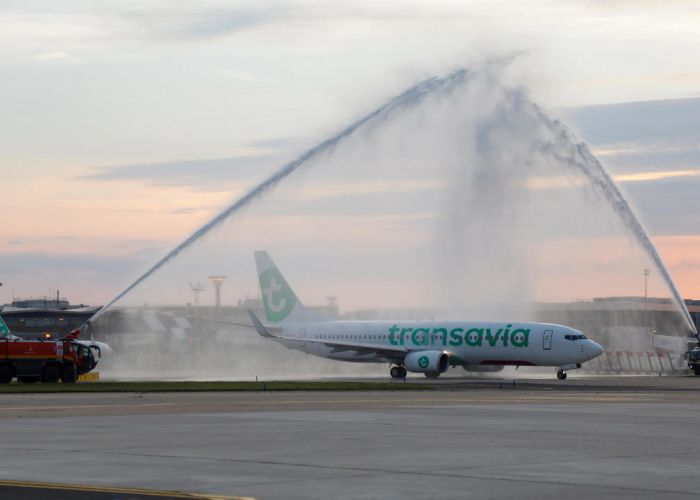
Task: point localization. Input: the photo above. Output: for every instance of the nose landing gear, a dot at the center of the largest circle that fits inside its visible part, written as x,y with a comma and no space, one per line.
561,374
397,372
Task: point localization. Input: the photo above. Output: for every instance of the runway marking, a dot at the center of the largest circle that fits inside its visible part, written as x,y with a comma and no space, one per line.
527,398
583,398
118,490
71,407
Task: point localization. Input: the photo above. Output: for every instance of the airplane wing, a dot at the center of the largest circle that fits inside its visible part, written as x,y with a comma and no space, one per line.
248,325
393,353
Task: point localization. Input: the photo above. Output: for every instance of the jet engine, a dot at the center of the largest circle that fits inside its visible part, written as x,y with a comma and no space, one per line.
434,362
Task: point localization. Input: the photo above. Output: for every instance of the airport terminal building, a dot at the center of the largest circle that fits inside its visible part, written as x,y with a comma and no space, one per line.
57,316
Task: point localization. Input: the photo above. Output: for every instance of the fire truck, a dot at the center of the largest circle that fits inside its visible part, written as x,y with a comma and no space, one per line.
45,358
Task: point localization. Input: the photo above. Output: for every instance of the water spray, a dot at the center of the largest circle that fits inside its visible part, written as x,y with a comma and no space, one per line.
578,156
410,97
561,146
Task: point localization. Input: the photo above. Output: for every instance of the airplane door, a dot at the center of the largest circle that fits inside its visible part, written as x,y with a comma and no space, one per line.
547,340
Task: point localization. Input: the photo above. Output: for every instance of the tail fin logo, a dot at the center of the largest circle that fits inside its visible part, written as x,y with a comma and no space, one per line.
4,330
278,298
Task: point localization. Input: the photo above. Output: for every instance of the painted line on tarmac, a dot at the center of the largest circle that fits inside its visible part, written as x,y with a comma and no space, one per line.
117,490
72,407
583,398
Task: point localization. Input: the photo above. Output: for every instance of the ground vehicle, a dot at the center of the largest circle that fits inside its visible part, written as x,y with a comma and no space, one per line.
694,360
46,360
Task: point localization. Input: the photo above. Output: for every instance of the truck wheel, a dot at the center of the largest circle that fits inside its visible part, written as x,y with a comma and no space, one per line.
5,374
28,380
68,374
50,374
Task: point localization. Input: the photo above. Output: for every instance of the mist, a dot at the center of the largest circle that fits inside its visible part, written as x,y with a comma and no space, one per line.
459,198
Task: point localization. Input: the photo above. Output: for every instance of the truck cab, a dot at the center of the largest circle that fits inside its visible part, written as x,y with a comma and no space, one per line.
86,360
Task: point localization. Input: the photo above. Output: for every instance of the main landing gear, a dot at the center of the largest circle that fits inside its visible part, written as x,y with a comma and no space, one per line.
561,375
397,372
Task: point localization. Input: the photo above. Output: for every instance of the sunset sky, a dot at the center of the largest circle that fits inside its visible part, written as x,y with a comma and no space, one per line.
126,125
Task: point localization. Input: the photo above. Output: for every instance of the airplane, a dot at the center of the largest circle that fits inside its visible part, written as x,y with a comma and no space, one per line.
428,347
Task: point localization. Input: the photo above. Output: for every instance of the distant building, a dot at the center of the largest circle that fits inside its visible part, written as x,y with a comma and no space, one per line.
57,316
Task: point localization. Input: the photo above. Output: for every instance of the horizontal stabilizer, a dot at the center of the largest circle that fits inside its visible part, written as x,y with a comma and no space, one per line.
259,327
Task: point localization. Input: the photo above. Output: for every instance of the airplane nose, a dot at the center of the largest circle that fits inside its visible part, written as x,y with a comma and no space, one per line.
596,348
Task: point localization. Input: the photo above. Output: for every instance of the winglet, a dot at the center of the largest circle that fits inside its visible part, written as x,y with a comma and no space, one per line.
262,331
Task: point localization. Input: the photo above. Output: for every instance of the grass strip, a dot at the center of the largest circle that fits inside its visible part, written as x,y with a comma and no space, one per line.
210,386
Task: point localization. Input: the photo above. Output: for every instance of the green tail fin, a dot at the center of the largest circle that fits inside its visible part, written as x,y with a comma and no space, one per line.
4,330
278,297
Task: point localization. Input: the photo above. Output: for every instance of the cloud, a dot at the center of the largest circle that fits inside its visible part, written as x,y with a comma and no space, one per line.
215,174
233,173
51,56
638,138
656,176
86,278
229,21
669,206
672,121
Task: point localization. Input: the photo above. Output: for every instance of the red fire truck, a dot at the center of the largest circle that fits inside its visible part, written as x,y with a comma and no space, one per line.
45,359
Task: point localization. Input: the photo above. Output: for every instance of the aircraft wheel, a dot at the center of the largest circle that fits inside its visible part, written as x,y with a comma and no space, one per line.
5,374
561,375
68,375
395,372
402,372
432,374
50,375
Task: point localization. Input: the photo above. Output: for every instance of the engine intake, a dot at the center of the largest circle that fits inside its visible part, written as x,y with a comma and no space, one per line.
427,362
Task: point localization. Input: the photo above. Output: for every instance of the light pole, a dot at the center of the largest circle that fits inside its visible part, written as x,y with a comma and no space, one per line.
646,300
196,289
217,280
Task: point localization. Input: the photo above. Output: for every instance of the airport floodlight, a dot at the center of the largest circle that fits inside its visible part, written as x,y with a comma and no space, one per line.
197,288
217,280
647,272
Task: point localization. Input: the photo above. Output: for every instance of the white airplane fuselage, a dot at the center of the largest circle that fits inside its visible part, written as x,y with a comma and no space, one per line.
466,343
428,347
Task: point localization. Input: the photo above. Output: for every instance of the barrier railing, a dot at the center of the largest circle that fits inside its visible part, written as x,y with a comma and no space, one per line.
636,362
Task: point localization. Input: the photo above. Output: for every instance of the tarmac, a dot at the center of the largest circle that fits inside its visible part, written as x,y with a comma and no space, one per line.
602,437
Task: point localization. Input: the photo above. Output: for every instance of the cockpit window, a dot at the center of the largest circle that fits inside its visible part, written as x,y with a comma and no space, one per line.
575,337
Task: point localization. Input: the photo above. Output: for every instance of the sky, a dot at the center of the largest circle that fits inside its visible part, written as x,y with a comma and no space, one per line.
127,125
